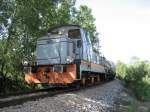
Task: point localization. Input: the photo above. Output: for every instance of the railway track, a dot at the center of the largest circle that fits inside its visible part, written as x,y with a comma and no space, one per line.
32,95
20,98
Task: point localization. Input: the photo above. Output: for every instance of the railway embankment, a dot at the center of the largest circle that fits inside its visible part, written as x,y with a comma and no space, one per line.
100,98
127,102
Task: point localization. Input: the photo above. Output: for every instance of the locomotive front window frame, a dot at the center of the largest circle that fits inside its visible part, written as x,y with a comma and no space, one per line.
74,34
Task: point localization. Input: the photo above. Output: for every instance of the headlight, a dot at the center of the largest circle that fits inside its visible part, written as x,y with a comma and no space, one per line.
25,63
69,59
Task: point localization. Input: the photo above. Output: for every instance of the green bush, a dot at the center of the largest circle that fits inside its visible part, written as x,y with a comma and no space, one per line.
132,106
136,76
121,70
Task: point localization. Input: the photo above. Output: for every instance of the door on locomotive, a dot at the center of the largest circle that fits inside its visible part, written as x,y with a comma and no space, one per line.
82,44
76,37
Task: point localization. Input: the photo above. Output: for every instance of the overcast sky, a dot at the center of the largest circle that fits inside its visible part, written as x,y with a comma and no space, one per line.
124,26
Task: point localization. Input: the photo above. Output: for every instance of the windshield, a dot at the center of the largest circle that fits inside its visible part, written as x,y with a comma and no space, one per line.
74,33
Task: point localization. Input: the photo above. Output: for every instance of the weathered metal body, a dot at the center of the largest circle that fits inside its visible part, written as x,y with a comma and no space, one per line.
65,56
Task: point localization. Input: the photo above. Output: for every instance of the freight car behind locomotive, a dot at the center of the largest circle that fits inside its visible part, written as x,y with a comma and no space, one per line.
65,56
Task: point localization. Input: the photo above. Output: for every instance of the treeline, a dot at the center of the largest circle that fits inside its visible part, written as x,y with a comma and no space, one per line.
22,22
136,76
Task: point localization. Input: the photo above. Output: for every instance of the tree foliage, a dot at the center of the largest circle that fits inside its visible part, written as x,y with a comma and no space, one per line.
121,70
84,18
23,21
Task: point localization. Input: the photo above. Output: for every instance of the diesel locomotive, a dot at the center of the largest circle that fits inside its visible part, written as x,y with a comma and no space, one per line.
65,56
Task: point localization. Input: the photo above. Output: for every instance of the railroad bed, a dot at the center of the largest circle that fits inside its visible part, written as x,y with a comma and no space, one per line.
99,98
20,98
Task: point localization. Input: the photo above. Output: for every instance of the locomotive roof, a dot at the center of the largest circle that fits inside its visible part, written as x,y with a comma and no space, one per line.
63,26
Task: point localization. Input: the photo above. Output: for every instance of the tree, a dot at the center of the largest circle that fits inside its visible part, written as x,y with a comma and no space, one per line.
84,18
21,23
121,70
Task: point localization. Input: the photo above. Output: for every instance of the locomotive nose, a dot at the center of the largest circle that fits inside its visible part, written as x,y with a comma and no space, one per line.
55,51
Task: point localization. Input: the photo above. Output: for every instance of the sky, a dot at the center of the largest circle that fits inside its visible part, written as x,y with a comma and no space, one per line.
124,27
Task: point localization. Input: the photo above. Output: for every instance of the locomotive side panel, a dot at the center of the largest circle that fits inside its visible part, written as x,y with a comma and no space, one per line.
92,67
88,67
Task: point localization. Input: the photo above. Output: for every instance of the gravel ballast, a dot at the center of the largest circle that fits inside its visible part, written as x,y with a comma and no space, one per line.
96,99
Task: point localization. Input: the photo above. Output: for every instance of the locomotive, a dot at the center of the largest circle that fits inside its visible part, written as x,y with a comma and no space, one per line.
65,56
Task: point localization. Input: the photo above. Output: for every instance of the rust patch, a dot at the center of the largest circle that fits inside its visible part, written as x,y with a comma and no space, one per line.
91,64
52,77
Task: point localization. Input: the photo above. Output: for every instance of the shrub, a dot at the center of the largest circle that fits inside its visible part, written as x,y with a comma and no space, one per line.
136,76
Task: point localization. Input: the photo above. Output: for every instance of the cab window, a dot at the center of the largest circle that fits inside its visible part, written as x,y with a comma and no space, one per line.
74,34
